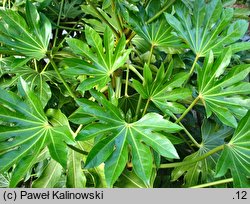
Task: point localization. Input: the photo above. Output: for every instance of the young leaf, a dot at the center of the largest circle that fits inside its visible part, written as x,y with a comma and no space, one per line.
162,91
28,36
105,59
113,147
235,155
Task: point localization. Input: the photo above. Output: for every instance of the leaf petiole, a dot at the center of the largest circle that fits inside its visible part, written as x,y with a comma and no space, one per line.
187,133
165,7
71,93
183,163
188,109
138,108
126,82
192,69
132,68
228,180
58,22
146,107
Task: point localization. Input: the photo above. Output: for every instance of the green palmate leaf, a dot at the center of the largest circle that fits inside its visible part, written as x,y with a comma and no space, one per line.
207,28
25,131
104,55
236,155
224,95
203,171
50,176
164,91
118,135
29,36
157,34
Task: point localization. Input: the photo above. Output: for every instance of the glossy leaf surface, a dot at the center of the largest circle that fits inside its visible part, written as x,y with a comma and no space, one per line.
206,27
224,94
25,130
105,58
119,134
29,36
235,155
203,170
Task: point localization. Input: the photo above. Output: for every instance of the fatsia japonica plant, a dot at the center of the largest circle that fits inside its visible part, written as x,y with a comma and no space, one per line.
124,93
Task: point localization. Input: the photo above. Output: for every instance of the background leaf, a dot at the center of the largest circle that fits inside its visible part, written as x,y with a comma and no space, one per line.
28,36
203,171
206,27
50,176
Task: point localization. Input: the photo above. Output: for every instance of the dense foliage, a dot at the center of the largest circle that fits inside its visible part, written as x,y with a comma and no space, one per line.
124,93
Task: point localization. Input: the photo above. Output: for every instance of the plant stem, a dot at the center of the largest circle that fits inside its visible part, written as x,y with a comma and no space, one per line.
187,133
72,23
167,4
68,28
229,180
64,39
136,72
150,54
130,37
126,83
186,141
188,109
77,131
117,17
140,98
118,85
193,66
146,107
192,69
138,108
190,136
207,154
71,93
45,67
103,18
58,22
